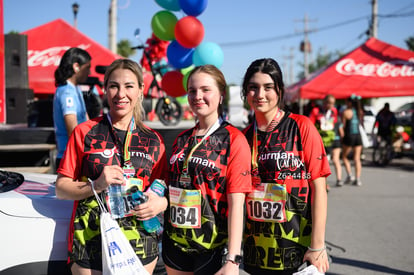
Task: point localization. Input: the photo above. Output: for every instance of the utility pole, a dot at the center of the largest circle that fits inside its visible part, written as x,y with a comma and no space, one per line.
306,48
75,10
112,26
374,20
289,73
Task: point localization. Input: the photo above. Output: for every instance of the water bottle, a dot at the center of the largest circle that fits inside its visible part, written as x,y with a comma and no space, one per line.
137,196
116,201
153,225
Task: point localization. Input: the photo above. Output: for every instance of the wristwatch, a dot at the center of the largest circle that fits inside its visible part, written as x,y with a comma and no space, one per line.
235,259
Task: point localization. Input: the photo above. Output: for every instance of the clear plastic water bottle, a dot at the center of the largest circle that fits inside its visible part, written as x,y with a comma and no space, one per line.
153,225
116,201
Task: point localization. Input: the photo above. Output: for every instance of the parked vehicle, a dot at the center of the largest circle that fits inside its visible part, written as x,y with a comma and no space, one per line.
35,225
401,145
404,113
369,121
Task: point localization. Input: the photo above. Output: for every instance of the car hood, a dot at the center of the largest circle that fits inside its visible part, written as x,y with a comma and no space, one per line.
35,198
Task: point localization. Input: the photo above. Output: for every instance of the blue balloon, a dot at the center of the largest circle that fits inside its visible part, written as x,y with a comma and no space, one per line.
208,53
171,5
193,7
178,56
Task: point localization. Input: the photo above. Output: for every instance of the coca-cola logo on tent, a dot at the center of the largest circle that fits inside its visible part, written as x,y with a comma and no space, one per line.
50,56
399,68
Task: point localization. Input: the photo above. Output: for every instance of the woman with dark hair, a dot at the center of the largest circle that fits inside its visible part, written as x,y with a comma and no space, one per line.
68,104
286,212
352,117
209,176
114,149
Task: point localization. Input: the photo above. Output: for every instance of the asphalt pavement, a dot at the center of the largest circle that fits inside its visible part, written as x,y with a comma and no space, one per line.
370,228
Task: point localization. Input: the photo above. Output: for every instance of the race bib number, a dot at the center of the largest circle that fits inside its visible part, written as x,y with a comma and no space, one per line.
185,208
327,124
267,203
127,202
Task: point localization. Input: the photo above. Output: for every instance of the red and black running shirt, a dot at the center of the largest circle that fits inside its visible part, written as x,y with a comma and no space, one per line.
289,158
220,165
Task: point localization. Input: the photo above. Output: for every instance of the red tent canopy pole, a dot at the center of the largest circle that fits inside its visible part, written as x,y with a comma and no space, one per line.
2,66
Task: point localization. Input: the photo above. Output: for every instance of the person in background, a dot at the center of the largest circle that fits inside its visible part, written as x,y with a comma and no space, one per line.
286,212
324,118
336,152
351,119
209,176
385,121
400,138
68,103
103,150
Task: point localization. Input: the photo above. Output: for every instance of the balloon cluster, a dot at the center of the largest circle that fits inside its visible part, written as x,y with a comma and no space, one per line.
187,48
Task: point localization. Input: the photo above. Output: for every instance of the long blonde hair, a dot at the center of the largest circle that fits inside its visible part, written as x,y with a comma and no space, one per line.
133,66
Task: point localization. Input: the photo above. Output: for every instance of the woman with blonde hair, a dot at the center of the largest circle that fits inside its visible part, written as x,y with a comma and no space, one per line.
115,149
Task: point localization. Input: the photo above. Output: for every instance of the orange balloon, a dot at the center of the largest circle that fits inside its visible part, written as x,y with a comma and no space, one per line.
189,32
172,84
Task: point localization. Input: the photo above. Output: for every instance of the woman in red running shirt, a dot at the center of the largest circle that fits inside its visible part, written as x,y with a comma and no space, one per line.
209,177
114,149
286,212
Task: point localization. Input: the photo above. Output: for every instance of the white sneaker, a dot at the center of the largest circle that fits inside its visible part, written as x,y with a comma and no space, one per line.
339,183
357,182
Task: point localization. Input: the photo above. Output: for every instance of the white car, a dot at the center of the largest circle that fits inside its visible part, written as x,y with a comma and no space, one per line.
34,225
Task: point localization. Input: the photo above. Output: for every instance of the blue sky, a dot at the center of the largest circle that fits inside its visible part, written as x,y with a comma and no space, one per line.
244,29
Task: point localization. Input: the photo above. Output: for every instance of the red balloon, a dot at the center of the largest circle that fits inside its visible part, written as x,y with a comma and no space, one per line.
172,84
189,32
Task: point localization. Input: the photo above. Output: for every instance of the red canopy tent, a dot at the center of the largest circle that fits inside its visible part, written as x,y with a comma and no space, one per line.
47,44
375,69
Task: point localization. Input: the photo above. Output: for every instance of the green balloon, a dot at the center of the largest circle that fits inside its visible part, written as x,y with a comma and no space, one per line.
163,25
182,100
186,75
187,69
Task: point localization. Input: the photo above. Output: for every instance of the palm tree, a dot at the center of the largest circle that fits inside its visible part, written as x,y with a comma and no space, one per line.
410,43
124,48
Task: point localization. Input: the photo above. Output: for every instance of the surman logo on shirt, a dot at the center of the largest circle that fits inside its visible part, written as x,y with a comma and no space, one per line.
142,155
109,153
197,160
69,102
204,162
179,156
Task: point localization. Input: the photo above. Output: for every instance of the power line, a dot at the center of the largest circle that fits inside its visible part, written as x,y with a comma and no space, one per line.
404,14
297,34
404,8
286,36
